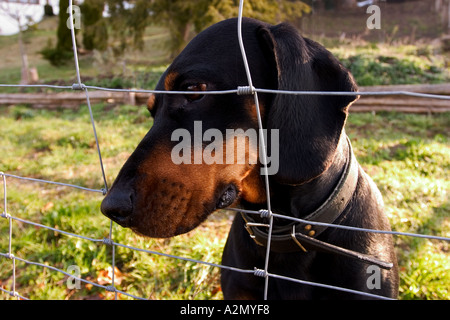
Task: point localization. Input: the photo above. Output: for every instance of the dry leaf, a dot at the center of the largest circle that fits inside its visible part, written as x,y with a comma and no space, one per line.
47,206
104,277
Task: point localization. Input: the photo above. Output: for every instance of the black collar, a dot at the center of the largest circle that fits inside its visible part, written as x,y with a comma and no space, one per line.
301,236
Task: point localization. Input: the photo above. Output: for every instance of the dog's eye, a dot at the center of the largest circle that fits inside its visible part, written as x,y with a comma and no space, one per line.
195,88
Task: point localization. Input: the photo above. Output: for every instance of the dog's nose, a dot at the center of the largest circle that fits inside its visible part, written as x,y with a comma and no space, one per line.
118,206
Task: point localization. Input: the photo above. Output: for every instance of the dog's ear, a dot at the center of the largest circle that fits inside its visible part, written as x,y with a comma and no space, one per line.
310,126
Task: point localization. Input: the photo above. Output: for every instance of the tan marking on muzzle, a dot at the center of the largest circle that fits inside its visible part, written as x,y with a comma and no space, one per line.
173,199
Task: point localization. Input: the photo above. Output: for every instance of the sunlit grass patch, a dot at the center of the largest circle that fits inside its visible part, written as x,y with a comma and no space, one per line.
408,156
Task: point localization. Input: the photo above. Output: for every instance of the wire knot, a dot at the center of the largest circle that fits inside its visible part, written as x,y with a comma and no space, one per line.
78,86
13,293
108,241
264,213
245,90
260,273
110,288
5,215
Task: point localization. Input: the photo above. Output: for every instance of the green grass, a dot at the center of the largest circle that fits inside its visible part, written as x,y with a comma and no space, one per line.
407,156
382,64
59,146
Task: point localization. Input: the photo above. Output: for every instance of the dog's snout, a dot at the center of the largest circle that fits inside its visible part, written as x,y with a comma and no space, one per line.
118,206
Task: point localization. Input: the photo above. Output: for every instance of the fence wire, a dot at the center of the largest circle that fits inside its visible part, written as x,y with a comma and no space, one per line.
108,241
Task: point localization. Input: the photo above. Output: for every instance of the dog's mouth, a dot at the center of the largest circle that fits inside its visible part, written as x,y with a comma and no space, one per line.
228,197
170,209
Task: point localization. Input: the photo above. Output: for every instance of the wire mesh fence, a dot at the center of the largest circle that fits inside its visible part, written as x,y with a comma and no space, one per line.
264,272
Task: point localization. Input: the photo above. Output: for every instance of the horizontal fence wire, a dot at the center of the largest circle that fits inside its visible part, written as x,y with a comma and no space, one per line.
241,90
263,212
102,191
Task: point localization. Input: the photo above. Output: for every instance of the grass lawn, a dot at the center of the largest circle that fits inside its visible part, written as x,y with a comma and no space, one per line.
408,156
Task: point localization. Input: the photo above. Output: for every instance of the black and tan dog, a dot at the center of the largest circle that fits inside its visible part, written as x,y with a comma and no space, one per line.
318,178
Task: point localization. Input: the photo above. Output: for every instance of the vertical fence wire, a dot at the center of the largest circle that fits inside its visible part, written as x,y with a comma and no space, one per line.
91,115
8,217
263,146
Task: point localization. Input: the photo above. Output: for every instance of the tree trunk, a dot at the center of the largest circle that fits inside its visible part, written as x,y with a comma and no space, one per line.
25,79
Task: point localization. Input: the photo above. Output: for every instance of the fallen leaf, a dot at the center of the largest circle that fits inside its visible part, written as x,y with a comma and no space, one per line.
47,206
105,276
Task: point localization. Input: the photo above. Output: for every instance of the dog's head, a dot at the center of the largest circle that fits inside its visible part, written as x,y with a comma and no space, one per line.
202,152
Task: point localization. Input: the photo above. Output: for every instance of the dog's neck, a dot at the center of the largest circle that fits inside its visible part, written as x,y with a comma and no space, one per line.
301,200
